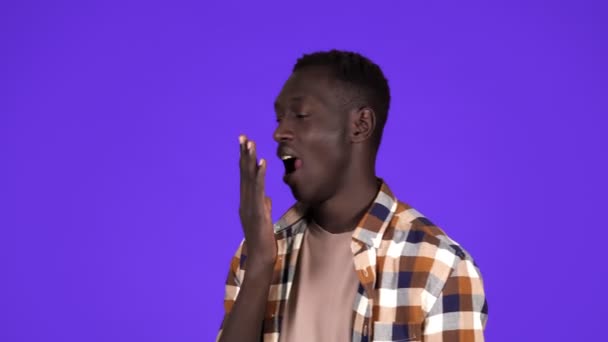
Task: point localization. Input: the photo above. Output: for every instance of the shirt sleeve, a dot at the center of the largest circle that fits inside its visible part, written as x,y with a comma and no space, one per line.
460,311
233,285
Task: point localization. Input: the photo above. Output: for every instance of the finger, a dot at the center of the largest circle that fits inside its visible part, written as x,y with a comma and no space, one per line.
242,139
261,177
242,159
248,191
251,160
243,151
268,203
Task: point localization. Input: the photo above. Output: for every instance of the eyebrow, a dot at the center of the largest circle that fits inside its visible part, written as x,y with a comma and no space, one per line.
296,99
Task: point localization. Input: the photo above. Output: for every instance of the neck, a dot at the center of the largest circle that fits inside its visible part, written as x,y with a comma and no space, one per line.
343,211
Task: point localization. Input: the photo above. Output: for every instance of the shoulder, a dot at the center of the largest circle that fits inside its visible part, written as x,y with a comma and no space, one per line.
413,243
410,227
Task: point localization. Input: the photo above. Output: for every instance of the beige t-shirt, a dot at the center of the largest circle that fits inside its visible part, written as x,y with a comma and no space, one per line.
320,306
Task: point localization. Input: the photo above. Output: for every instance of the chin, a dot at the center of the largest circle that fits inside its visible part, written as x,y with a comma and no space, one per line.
298,194
307,195
302,195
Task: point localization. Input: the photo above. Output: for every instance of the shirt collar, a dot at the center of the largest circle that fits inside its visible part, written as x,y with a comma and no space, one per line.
370,228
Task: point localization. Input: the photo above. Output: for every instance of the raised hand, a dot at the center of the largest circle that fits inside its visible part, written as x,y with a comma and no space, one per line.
255,208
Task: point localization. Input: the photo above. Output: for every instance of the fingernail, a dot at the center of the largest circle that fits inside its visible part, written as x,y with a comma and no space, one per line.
249,145
241,139
261,162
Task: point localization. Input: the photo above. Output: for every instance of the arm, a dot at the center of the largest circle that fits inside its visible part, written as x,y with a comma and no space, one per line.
245,304
460,312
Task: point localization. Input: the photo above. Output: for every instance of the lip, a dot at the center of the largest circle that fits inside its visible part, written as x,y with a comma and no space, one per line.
285,151
289,178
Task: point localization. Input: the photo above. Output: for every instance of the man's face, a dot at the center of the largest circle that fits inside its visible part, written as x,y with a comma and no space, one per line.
312,133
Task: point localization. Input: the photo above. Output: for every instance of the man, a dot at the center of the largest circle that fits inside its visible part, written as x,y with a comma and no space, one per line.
348,262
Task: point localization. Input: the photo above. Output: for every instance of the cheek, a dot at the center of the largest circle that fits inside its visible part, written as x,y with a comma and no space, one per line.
329,149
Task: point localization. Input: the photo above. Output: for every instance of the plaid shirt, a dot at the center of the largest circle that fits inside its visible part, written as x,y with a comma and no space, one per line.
416,284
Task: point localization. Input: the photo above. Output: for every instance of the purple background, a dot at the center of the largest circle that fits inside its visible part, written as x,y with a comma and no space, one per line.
118,141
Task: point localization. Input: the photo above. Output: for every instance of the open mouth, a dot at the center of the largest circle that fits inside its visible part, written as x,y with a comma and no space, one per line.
291,163
290,160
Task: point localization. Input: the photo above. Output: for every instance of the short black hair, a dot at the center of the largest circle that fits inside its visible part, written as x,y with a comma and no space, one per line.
358,73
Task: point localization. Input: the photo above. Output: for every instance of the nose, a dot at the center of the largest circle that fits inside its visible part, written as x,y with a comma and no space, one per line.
283,132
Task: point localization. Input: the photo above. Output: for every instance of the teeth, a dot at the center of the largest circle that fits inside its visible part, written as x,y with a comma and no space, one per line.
285,157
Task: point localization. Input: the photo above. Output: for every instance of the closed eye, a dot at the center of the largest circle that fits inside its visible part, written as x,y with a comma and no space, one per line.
297,115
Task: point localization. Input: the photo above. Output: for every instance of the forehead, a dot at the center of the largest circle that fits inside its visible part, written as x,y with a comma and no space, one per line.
310,85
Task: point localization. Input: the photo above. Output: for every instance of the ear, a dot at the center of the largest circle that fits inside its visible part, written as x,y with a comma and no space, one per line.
363,123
